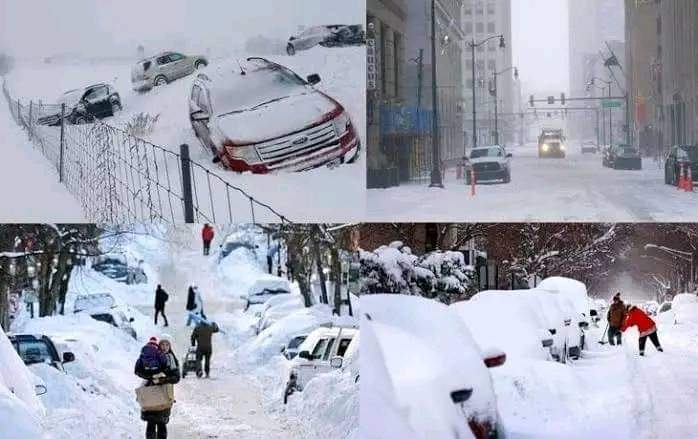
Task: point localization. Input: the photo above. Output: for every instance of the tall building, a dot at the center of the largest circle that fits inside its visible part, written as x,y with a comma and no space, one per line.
418,81
592,23
641,52
482,19
386,23
678,49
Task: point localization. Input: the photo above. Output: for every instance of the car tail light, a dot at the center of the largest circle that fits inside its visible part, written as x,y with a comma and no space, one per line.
481,429
496,360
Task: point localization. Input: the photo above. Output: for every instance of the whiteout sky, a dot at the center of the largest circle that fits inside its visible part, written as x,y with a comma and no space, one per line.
540,46
39,28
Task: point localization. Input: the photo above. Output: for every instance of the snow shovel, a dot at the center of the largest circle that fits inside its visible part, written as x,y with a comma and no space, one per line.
605,332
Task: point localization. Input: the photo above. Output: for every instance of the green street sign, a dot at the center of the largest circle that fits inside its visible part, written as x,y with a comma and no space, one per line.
610,104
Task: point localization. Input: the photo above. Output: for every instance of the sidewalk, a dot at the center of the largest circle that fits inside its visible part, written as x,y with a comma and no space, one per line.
29,187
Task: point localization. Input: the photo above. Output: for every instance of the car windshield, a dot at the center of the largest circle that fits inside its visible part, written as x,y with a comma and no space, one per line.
293,344
688,152
71,97
257,88
486,152
627,151
273,292
34,351
106,318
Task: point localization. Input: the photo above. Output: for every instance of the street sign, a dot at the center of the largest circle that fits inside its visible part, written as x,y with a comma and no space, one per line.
610,104
371,71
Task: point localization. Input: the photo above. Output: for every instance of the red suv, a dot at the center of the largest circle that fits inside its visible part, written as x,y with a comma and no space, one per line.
260,116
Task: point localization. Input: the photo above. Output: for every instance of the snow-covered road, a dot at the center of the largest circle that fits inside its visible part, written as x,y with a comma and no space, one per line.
336,194
577,188
610,392
227,404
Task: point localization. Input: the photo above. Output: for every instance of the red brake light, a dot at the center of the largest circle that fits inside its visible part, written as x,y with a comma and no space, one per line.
495,361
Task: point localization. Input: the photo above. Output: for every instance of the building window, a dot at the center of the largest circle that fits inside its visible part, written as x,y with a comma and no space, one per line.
468,28
479,27
490,27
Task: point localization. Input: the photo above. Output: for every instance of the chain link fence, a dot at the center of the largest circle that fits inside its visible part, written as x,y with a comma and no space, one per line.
120,178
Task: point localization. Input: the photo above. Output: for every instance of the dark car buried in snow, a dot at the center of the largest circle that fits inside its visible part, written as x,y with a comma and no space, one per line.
84,105
34,349
334,35
683,155
489,163
622,157
260,116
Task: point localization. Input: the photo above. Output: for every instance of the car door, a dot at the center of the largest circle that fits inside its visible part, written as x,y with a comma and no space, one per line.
308,368
96,101
165,67
179,65
204,132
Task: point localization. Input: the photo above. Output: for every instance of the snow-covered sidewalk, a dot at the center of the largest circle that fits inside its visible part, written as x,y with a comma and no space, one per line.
30,188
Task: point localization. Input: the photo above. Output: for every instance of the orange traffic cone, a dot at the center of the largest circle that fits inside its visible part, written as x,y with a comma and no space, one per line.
689,179
680,184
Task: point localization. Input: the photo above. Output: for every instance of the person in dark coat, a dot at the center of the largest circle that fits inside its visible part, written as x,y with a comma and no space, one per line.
207,234
161,297
201,338
195,305
615,317
167,373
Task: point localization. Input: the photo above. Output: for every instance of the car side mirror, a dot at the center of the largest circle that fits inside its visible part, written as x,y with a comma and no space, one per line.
583,325
509,155
495,359
68,357
593,313
336,362
304,354
40,389
460,396
131,320
547,342
200,116
313,79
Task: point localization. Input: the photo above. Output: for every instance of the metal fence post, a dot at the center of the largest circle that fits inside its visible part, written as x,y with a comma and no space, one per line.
19,113
186,184
60,162
31,110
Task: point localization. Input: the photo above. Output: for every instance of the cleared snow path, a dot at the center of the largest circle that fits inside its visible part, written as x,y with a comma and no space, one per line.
31,191
226,405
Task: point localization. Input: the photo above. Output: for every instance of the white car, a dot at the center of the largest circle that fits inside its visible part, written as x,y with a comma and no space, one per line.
265,288
101,308
684,307
430,377
488,163
307,39
323,350
278,307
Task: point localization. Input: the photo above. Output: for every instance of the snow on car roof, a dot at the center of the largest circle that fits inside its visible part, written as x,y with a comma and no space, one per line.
575,290
269,282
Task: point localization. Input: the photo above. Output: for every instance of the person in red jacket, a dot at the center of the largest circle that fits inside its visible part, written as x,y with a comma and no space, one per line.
207,237
637,317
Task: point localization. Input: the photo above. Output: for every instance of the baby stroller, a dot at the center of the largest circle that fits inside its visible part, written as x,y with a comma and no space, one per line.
191,364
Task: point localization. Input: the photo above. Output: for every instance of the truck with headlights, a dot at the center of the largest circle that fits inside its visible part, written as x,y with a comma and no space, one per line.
551,143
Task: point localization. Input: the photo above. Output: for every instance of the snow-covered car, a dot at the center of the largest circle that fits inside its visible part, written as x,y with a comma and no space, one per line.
277,307
680,156
164,68
334,35
116,266
438,375
101,308
589,147
84,105
685,308
651,307
38,348
260,116
323,350
489,163
266,287
230,246
622,157
520,328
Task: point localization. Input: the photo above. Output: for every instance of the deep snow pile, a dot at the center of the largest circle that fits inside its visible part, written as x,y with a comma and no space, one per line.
21,411
100,381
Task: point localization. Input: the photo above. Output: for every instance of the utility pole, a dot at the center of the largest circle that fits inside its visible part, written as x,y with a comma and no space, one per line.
472,49
420,77
436,180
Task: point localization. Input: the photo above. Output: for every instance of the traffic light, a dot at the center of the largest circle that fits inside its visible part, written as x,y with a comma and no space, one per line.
531,102
562,98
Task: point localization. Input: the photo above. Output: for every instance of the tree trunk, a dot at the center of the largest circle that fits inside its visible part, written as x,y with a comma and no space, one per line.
337,279
321,273
45,303
4,296
299,274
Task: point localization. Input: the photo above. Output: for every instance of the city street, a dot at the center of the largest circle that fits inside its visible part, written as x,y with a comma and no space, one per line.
577,188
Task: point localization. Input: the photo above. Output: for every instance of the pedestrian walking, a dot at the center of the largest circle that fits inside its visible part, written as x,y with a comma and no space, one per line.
207,234
637,317
615,317
157,365
201,337
195,305
161,297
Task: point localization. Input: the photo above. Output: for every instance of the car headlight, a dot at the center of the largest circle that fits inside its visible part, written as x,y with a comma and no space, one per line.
546,147
341,124
562,147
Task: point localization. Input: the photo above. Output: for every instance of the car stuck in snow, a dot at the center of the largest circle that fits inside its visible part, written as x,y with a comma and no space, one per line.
488,163
260,116
337,35
83,105
164,68
39,348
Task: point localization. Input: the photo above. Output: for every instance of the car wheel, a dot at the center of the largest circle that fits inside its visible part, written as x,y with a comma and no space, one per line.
666,175
80,120
160,81
290,50
115,107
200,65
355,157
507,176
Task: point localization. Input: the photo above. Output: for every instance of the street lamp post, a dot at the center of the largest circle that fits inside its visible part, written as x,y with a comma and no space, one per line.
496,99
603,114
436,180
473,45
